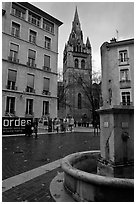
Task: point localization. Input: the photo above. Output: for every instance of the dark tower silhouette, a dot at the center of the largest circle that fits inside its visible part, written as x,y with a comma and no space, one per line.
77,57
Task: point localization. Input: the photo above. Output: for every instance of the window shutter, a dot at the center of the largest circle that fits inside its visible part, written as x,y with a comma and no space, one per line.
30,81
46,84
12,75
31,54
47,61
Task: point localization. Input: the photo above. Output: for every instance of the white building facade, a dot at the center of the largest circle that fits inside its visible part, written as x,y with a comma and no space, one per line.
29,61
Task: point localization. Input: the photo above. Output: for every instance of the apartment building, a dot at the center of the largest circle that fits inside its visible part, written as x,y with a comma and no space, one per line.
117,112
29,61
117,59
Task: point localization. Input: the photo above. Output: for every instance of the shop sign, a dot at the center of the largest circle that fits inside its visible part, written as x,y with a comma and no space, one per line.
12,125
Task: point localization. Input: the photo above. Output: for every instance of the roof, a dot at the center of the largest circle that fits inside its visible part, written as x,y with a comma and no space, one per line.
122,42
40,12
114,43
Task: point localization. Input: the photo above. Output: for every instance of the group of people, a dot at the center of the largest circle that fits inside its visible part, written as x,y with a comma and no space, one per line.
63,125
31,128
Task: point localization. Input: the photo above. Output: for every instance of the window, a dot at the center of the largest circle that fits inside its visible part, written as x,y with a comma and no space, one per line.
18,11
45,107
125,98
47,43
32,36
30,83
15,30
46,84
11,79
124,75
13,56
48,26
123,56
79,101
10,105
29,106
76,63
46,62
31,58
34,19
83,64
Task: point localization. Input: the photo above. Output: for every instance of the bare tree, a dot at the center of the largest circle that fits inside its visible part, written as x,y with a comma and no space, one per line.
90,85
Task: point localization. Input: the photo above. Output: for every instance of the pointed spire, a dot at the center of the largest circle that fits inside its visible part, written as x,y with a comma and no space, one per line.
88,43
76,18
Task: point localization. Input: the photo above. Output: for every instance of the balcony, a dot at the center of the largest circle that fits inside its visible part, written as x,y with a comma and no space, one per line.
11,87
46,69
33,20
126,103
18,13
125,84
13,59
45,92
123,61
30,64
10,113
30,90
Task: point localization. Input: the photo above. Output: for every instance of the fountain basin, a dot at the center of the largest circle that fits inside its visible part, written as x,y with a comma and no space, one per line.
84,185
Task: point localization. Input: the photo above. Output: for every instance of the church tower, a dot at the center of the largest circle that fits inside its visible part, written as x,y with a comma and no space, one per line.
77,58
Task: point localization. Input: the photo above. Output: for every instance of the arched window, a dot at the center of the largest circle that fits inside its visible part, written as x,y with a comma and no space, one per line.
83,64
79,101
76,63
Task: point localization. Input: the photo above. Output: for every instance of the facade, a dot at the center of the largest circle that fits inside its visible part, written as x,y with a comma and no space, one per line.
117,112
29,61
77,59
117,59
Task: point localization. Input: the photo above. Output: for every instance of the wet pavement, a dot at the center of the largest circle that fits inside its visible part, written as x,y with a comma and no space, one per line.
21,154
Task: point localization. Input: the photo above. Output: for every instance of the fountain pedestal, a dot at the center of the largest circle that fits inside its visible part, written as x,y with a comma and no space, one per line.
116,142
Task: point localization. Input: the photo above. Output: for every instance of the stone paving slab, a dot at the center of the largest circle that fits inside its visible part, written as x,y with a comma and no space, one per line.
26,176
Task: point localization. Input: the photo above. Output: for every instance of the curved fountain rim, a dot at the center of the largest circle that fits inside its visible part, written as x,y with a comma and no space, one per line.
92,178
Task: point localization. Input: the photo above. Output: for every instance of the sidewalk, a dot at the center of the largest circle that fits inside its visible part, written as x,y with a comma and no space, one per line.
43,130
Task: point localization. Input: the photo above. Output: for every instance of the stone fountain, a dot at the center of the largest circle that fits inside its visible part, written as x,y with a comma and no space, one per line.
106,175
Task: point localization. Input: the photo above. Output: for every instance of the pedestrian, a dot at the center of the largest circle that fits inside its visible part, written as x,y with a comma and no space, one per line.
26,128
36,128
57,124
29,129
71,124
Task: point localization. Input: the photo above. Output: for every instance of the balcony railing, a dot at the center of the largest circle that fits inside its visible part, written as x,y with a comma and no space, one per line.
13,59
10,113
18,13
11,87
125,84
31,64
126,103
34,20
124,61
30,90
46,69
45,92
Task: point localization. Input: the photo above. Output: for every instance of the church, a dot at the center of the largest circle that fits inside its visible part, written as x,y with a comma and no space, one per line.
77,60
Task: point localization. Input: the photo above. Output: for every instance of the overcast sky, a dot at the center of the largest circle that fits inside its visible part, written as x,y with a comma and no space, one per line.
99,21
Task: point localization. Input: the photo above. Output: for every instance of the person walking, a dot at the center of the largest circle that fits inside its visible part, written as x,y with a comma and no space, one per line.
71,124
36,128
